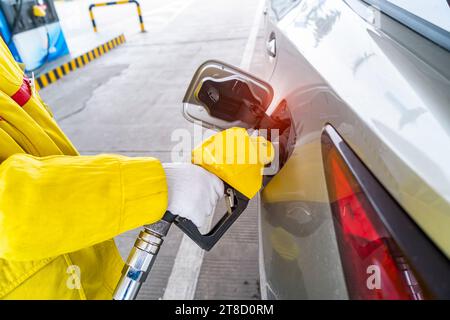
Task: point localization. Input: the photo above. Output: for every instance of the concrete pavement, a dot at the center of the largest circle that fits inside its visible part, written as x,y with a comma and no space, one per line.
129,102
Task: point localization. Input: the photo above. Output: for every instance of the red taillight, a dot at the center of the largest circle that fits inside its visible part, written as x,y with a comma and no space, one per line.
374,266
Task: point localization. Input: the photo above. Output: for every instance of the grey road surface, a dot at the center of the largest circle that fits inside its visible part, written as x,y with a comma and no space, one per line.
129,102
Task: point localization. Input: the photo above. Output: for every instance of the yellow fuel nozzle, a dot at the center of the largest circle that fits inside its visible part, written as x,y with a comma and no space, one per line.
236,158
39,11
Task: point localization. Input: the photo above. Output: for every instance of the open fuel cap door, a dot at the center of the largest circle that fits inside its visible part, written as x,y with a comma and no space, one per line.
221,96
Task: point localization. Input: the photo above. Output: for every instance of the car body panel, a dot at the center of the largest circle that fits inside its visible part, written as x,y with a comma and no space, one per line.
376,86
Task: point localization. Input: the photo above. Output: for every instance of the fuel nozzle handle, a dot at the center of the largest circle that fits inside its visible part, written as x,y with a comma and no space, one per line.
236,204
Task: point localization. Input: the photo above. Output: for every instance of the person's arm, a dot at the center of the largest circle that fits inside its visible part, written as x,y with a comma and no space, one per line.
59,204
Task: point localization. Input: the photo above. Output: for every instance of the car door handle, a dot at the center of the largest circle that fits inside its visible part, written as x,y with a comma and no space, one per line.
271,46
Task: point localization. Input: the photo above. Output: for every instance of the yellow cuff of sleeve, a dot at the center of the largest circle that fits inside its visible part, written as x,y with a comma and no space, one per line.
144,192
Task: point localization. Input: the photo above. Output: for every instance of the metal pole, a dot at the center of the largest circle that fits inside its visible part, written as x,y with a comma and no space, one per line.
141,21
91,14
102,4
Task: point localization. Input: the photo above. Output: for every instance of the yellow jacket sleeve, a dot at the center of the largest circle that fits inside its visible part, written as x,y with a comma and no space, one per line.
59,204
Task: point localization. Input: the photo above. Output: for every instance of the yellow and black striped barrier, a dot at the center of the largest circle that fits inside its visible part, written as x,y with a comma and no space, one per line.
102,4
51,76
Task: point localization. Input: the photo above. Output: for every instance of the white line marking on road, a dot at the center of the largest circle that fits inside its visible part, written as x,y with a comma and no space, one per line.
183,279
176,14
250,46
186,269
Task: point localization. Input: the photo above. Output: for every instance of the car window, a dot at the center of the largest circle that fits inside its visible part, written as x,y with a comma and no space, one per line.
430,18
282,7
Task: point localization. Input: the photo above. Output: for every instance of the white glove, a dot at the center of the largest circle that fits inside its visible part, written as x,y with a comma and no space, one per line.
193,191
